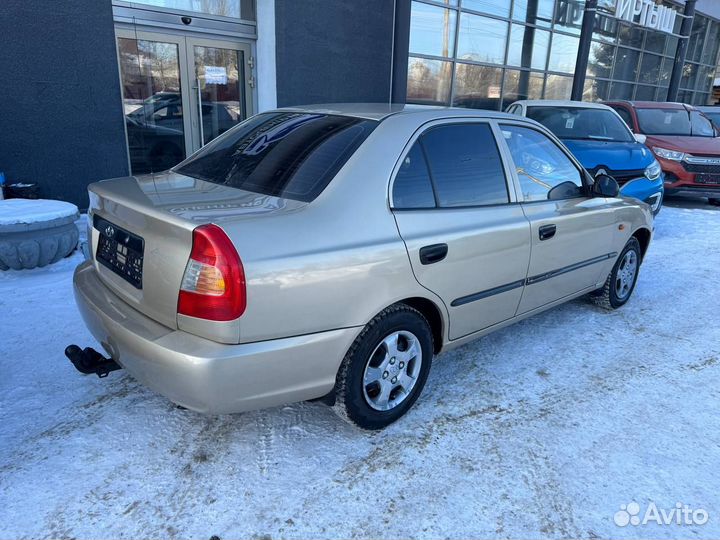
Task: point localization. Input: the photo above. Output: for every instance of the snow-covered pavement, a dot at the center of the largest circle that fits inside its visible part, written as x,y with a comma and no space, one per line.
543,429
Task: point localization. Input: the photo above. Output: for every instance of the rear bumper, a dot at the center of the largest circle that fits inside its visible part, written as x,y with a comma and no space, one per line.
204,375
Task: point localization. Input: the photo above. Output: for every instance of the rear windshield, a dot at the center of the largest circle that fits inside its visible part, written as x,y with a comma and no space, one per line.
582,123
674,122
283,154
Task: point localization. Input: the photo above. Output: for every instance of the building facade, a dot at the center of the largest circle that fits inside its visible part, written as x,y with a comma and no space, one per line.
489,53
108,88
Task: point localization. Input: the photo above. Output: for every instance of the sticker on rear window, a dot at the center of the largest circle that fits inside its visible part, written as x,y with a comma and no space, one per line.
569,123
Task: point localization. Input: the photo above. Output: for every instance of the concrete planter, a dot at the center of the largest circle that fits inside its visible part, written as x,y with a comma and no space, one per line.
36,233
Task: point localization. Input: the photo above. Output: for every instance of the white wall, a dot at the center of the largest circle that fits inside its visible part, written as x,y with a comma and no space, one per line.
266,81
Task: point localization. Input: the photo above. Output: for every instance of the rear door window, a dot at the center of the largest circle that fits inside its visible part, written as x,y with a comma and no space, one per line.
284,154
412,187
465,165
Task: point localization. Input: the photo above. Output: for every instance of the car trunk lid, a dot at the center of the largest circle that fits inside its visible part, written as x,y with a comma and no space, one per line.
157,215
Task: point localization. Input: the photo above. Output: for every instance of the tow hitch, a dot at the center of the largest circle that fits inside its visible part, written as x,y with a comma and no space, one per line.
88,360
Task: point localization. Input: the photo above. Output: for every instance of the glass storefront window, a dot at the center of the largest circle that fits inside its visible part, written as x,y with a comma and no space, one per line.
705,79
667,66
621,90
558,87
650,68
626,64
697,38
605,28
227,8
482,39
528,47
710,53
501,8
429,81
630,35
537,12
432,30
685,96
521,85
477,86
644,93
689,76
488,53
595,90
701,98
563,53
601,59
655,41
569,16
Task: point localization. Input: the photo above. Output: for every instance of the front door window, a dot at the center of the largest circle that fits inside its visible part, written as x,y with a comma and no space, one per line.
544,171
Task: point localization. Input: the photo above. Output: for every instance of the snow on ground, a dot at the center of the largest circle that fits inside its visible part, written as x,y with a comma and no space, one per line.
539,430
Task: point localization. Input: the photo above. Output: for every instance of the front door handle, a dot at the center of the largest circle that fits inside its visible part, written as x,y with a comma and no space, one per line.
547,231
434,253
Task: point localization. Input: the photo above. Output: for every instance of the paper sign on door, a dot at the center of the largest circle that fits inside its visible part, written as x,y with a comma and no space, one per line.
215,75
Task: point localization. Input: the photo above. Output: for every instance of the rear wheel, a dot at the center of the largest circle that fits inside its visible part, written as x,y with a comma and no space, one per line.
385,369
714,202
620,284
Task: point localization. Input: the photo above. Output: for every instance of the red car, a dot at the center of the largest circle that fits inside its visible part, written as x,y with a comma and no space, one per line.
684,141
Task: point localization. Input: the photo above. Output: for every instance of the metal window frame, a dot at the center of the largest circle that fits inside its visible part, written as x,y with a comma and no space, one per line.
134,13
553,28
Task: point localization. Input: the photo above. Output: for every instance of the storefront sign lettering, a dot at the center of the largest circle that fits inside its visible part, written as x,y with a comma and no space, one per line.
646,13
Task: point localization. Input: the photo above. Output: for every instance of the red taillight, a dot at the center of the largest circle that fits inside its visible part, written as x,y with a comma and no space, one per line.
213,286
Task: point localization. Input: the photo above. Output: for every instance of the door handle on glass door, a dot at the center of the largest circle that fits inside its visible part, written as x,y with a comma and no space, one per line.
547,231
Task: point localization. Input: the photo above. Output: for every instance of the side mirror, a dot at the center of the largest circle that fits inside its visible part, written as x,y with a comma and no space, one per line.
605,186
639,137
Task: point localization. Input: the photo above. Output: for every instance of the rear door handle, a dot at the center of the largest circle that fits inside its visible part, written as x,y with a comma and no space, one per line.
547,231
434,253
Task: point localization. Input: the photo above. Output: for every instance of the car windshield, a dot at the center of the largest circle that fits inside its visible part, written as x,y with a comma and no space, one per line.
674,122
582,123
283,154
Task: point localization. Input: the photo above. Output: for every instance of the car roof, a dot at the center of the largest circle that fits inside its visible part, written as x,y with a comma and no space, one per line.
654,104
707,108
561,103
380,111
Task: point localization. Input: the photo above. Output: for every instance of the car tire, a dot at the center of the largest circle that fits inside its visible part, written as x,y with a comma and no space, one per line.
621,281
394,351
714,202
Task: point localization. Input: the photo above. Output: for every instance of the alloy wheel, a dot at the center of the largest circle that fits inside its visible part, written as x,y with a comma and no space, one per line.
392,370
626,274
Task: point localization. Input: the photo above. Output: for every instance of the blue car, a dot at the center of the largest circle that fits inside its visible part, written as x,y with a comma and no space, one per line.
602,143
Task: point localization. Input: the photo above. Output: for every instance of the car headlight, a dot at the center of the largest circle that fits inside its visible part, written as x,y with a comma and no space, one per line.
653,171
673,155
